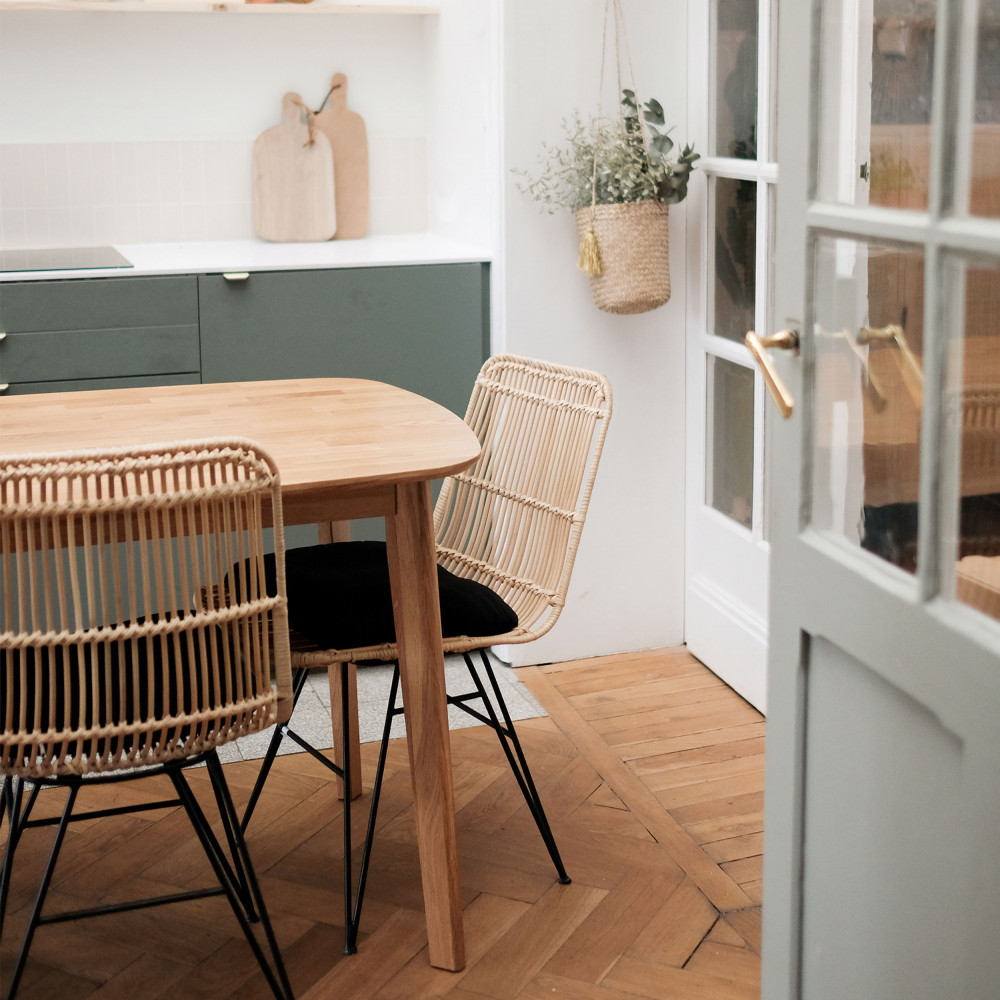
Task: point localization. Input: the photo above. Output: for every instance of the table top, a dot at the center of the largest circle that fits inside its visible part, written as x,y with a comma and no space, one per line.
324,432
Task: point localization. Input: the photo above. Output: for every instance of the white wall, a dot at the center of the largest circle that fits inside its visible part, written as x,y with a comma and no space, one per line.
124,127
628,585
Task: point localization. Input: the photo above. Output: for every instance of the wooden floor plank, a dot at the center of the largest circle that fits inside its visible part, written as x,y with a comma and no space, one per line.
600,940
725,893
650,980
517,957
650,771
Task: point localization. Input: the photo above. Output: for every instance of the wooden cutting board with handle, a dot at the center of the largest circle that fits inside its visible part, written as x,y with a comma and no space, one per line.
349,141
293,179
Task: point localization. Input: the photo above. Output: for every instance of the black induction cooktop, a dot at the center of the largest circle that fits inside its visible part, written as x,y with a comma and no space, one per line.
62,259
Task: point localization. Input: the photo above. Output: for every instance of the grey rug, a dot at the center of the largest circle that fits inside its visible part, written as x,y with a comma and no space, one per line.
311,719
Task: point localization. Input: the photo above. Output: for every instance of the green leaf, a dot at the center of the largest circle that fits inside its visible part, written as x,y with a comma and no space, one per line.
654,112
662,143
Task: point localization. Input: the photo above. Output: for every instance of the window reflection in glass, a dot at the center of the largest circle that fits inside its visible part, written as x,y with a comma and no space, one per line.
729,477
875,110
735,274
984,189
868,322
974,423
735,100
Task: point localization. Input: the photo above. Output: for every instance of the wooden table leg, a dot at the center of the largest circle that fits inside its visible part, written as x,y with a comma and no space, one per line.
340,738
334,531
410,538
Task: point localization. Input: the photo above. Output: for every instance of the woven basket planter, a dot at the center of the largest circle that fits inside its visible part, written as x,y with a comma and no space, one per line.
634,243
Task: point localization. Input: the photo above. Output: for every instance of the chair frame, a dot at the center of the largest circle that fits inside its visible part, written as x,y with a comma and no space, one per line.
555,410
128,535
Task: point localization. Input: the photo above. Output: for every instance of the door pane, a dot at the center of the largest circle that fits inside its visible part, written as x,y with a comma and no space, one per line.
974,412
869,340
876,102
985,182
729,477
735,276
735,102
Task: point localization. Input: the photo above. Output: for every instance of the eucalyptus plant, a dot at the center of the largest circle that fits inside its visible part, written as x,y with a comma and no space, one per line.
629,165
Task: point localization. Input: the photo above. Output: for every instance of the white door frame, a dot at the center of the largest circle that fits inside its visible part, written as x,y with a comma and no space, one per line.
726,564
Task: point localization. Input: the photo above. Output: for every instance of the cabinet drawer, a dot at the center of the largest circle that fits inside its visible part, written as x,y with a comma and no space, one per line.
73,385
60,331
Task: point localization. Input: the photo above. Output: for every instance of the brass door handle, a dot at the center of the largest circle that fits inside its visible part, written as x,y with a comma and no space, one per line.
784,340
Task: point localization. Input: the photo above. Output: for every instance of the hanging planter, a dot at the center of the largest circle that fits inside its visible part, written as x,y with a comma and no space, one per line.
633,249
619,178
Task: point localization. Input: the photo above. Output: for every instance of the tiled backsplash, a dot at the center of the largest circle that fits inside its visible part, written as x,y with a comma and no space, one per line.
89,194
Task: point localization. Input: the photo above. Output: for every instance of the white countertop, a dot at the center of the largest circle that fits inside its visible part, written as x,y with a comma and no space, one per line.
256,255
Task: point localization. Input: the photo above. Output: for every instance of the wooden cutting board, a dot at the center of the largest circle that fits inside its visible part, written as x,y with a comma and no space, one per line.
349,141
293,179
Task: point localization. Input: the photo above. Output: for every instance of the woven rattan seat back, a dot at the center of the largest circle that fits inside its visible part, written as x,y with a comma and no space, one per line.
105,660
513,521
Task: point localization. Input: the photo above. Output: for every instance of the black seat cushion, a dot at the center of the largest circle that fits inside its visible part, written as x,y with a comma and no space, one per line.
339,597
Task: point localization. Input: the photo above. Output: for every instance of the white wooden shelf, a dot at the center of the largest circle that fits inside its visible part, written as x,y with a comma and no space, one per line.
224,6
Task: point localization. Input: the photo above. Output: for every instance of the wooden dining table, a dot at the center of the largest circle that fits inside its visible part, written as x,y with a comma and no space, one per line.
345,448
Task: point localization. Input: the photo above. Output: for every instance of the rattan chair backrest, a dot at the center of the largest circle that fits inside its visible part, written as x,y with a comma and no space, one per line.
105,659
513,521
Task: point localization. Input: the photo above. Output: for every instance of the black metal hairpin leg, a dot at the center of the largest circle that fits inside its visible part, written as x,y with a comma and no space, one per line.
352,906
280,732
237,873
277,977
350,924
10,806
507,735
43,888
390,713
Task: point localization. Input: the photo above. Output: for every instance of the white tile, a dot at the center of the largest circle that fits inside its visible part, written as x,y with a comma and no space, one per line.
102,173
147,175
11,183
192,172
125,173
56,175
13,229
36,227
78,226
124,225
168,167
33,175
150,220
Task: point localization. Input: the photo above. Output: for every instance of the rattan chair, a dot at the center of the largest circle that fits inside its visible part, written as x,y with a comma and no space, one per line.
507,533
107,675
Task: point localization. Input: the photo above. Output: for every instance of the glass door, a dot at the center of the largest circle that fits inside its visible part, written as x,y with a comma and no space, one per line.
727,537
884,679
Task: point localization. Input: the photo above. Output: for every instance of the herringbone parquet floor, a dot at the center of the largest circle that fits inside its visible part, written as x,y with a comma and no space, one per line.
652,775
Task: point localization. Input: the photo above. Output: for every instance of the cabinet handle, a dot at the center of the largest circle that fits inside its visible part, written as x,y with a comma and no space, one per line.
236,275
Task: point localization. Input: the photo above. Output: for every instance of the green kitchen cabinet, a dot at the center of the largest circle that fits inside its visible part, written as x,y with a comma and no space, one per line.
424,327
99,333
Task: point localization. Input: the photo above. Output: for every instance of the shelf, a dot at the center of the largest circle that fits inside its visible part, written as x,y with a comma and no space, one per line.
224,6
